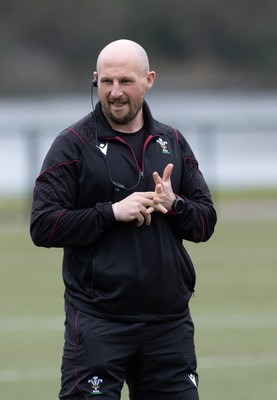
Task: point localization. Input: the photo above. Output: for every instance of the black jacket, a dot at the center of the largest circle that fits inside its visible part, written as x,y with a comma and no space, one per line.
115,269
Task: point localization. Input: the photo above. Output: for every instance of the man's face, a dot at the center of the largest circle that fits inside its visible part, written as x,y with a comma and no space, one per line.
121,89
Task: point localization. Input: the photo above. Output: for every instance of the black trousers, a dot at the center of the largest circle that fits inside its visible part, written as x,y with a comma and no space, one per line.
156,359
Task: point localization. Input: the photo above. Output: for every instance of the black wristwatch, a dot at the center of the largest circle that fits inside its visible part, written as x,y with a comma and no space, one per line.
178,205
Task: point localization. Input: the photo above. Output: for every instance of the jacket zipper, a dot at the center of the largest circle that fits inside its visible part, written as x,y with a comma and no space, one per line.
145,144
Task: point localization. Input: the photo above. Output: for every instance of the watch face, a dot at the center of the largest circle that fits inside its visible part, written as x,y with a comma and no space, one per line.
179,206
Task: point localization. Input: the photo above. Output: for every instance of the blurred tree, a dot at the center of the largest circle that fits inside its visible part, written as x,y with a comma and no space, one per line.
53,45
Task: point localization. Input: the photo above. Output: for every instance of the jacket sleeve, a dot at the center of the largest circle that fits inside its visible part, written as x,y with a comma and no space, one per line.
198,221
55,219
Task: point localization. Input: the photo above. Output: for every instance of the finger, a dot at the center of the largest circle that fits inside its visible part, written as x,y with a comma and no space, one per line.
159,188
140,220
146,214
157,178
147,219
144,198
160,208
167,173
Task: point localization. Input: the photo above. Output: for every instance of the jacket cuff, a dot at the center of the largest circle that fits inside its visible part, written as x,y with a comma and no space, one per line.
107,212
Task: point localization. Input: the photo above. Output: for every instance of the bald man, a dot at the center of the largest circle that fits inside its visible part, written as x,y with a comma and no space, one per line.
125,64
119,192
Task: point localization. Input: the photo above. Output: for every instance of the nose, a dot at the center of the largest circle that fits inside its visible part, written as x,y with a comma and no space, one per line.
116,90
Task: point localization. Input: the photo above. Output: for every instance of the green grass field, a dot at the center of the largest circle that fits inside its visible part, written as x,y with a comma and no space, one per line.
234,307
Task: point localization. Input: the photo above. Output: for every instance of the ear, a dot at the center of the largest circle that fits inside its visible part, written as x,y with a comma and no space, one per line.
150,79
94,75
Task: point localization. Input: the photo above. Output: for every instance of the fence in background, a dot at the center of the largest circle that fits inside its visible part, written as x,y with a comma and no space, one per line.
233,137
231,156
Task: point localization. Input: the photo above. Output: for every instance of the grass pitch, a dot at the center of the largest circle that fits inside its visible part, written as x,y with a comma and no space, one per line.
234,307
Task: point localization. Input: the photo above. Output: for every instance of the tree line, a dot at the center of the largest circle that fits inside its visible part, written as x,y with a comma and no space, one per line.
53,45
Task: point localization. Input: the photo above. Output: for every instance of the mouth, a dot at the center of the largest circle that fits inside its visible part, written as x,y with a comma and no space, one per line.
118,104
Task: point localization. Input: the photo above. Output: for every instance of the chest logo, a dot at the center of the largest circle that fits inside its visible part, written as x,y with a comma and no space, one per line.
163,145
103,147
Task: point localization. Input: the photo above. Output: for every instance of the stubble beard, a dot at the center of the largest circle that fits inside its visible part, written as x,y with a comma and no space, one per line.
124,119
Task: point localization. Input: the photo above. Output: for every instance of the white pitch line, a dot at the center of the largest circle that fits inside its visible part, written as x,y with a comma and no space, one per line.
202,322
204,362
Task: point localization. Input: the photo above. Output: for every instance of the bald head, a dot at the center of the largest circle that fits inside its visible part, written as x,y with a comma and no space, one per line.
124,51
123,78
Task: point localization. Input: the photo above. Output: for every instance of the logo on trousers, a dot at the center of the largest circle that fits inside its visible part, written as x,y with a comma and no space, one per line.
95,384
192,378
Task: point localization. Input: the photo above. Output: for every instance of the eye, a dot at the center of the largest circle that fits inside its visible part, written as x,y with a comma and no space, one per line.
126,81
106,81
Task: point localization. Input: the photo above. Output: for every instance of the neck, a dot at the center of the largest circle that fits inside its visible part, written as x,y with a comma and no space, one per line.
133,126
128,128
